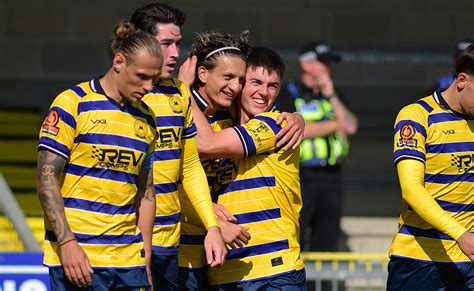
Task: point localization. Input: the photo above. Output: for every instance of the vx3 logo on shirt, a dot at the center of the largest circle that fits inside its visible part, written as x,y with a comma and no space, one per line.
99,121
463,162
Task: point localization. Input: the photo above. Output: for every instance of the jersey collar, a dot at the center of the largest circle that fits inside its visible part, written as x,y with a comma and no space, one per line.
200,101
440,100
97,88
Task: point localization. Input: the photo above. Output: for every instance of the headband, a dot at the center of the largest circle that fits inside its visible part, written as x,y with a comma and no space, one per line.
222,49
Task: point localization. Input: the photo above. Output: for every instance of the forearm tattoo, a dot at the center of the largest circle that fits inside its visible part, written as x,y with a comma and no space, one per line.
145,186
49,169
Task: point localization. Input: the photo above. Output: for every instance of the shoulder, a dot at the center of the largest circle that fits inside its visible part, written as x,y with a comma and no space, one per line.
265,121
418,110
73,96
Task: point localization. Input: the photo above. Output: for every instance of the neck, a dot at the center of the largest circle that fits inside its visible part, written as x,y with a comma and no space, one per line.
451,96
211,108
108,82
243,115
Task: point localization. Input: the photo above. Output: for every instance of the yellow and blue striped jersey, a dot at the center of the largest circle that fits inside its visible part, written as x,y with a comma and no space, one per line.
430,132
175,160
104,145
193,232
263,193
170,103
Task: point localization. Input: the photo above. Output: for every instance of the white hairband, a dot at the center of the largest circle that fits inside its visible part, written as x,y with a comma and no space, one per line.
222,49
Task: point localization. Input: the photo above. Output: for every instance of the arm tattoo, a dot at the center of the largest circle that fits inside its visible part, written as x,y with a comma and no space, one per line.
145,186
49,169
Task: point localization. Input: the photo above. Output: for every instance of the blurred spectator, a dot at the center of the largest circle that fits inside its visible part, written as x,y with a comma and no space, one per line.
328,124
443,82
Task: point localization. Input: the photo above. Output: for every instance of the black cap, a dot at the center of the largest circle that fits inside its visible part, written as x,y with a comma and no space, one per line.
318,51
460,46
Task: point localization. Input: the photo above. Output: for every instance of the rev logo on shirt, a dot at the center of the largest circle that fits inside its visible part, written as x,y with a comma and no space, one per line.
116,158
464,163
407,133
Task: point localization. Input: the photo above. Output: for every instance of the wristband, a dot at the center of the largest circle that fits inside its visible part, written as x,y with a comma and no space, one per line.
65,242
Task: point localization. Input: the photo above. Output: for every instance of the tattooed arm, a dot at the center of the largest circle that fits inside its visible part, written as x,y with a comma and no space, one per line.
145,203
73,258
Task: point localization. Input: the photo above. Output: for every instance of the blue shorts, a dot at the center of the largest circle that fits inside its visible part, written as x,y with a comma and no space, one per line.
411,274
103,279
293,281
164,270
193,279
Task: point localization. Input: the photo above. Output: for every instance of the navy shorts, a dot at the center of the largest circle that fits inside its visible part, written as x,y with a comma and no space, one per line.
411,274
293,281
103,279
164,270
193,279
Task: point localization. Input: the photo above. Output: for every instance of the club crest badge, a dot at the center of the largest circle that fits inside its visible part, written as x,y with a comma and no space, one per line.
140,128
176,104
51,122
407,136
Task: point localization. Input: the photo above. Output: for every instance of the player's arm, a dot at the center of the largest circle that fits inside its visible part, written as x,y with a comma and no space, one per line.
73,258
145,203
411,175
291,135
211,144
195,185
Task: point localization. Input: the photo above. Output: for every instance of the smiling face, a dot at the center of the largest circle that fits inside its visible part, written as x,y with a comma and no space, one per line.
259,93
169,37
221,84
137,76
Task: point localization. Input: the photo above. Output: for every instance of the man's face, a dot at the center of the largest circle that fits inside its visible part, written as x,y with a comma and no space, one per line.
260,91
138,76
169,37
311,71
224,82
465,85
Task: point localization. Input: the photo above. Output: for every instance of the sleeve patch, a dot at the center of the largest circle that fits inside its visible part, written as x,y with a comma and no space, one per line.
51,122
407,136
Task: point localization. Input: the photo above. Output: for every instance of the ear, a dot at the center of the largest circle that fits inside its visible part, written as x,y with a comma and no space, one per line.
461,81
202,74
119,62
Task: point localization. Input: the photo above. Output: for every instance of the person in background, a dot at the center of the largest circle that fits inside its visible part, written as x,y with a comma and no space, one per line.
329,123
444,82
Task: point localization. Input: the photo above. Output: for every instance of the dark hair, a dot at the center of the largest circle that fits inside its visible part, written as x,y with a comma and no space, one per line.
146,17
208,42
128,41
465,61
268,59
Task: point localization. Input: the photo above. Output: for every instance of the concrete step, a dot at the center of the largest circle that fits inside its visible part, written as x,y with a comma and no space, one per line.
369,234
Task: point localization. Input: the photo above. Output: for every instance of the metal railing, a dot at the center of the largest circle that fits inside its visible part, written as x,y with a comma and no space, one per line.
346,270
